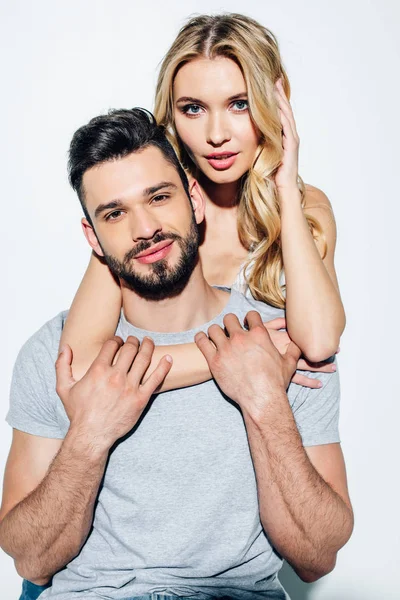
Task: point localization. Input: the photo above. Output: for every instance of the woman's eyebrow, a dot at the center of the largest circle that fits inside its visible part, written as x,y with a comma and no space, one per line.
198,101
188,99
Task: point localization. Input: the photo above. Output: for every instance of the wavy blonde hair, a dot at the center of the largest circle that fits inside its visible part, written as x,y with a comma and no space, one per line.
255,50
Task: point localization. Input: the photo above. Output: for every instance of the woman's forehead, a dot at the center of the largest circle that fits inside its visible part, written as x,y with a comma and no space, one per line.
214,78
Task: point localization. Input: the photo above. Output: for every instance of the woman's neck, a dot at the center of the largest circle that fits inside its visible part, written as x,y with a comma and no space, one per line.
221,195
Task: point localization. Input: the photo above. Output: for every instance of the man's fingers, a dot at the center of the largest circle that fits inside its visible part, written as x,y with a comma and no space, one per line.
205,346
253,319
64,376
142,361
127,354
293,352
109,350
154,381
232,324
276,324
217,336
306,381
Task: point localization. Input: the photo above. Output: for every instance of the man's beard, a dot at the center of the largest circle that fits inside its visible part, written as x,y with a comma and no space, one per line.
163,281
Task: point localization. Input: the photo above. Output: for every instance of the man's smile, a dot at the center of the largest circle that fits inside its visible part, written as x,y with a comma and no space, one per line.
155,252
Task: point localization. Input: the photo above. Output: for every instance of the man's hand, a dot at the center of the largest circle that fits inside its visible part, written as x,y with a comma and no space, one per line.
245,364
109,400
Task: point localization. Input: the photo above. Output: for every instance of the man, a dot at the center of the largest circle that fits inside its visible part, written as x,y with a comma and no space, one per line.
116,492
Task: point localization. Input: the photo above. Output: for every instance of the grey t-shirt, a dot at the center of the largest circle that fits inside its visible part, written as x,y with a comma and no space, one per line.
177,511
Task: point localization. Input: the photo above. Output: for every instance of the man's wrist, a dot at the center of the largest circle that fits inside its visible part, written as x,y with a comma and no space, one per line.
91,447
261,408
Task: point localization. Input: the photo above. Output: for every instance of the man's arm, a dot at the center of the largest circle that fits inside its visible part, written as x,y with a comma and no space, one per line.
48,497
46,529
304,504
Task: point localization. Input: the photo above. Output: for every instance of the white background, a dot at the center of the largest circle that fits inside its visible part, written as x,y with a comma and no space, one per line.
65,62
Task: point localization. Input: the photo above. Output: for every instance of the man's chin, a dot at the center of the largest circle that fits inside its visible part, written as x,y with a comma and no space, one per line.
154,291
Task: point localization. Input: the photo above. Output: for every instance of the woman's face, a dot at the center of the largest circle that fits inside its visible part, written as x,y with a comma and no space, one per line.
212,118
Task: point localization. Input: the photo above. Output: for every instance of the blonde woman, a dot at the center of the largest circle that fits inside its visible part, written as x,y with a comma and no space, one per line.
223,97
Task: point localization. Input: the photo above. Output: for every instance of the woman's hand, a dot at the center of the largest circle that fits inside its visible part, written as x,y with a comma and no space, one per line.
281,341
286,176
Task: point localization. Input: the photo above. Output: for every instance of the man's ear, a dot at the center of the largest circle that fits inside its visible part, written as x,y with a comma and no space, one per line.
198,201
91,237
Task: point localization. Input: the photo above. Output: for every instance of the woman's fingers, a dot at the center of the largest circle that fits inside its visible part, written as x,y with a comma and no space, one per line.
306,381
286,107
322,367
276,324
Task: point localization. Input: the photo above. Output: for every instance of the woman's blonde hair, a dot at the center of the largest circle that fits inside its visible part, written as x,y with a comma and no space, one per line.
255,50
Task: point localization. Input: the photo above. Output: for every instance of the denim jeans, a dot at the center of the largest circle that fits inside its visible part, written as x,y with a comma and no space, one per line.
30,591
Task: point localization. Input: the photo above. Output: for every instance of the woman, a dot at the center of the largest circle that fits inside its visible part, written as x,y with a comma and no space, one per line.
222,95
239,140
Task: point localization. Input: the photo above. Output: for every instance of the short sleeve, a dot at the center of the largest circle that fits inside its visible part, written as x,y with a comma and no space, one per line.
33,397
316,411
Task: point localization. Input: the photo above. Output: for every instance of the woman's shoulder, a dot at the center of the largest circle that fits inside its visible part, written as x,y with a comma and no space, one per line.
317,204
315,197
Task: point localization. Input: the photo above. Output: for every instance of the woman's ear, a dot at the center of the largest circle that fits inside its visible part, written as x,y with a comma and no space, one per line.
91,237
198,201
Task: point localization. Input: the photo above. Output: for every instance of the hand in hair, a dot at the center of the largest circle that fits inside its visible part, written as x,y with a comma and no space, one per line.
287,174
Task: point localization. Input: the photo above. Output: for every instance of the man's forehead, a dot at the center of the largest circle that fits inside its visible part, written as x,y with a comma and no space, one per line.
129,175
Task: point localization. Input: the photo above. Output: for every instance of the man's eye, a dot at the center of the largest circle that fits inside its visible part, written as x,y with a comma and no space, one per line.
240,105
191,109
159,198
114,215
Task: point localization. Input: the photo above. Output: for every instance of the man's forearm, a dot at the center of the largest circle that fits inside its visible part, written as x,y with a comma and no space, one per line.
305,519
47,529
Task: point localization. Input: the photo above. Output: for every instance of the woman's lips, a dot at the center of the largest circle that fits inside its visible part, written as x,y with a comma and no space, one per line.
220,162
157,254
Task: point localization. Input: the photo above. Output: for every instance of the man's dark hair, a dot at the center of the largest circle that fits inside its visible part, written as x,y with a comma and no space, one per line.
115,135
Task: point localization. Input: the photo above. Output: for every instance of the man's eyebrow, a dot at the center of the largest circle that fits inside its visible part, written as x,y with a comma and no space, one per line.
159,186
108,206
114,204
197,101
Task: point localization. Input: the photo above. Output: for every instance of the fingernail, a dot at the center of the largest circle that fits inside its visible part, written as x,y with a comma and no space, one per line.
333,367
319,384
62,350
169,358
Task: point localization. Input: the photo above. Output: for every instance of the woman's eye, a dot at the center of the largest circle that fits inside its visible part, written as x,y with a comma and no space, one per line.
191,109
114,215
240,105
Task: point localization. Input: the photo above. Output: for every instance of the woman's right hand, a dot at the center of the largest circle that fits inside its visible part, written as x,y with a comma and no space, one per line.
281,340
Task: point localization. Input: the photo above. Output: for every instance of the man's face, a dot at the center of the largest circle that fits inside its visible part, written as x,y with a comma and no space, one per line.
144,224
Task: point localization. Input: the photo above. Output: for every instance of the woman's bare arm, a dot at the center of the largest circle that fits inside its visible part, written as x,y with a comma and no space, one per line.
314,311
93,319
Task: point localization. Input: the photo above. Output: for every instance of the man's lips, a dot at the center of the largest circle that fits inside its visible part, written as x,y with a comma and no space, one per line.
221,160
155,252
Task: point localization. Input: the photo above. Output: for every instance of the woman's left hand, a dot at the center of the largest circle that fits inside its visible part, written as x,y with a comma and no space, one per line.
286,176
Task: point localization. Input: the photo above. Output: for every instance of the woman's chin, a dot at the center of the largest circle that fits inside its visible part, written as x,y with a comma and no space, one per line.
226,177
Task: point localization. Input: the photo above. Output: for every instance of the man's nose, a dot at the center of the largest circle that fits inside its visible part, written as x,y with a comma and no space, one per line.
144,225
218,130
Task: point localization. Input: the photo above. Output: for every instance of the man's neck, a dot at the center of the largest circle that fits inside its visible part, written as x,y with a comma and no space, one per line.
197,304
